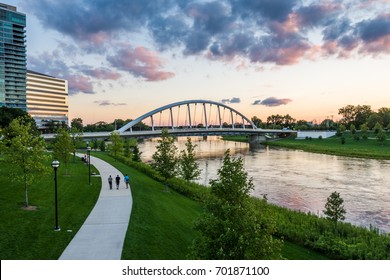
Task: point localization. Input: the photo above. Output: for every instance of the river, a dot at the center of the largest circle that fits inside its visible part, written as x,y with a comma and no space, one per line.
301,180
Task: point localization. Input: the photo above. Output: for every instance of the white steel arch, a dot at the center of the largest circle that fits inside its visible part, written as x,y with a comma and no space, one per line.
187,102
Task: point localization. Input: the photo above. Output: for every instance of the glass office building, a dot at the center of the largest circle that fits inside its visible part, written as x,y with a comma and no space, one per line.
12,57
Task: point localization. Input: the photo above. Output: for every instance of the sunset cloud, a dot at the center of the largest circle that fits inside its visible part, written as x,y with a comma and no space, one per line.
140,62
272,102
232,100
108,103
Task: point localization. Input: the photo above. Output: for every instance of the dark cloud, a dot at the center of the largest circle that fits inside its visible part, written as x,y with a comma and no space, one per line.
271,9
232,100
375,29
317,14
261,31
108,103
272,102
140,62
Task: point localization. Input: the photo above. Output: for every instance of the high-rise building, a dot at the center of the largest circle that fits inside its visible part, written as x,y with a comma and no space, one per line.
12,57
47,99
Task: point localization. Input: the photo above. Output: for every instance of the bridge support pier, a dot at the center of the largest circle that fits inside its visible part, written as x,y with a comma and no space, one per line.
256,139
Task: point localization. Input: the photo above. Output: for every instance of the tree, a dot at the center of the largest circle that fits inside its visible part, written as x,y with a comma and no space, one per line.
7,115
256,121
373,120
231,228
117,144
352,128
165,158
377,128
75,134
384,115
136,153
77,123
334,208
25,153
189,168
102,146
63,147
381,136
364,131
126,150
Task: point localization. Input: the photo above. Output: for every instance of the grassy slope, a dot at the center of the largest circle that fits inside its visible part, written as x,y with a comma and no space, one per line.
161,223
29,234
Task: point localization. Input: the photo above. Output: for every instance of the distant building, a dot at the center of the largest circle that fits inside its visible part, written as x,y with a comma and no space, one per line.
12,57
47,99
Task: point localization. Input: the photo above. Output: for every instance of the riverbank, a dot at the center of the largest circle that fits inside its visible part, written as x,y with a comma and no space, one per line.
162,220
369,148
318,235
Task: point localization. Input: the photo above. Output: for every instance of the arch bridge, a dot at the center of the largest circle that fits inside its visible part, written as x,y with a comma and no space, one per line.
226,121
191,117
233,124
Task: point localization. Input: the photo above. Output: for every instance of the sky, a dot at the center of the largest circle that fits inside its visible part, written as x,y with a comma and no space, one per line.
125,58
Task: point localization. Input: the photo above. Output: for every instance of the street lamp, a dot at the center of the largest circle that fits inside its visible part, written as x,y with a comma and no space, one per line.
55,164
89,164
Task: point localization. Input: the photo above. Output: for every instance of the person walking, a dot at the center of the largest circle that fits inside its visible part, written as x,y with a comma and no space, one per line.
110,182
126,179
117,181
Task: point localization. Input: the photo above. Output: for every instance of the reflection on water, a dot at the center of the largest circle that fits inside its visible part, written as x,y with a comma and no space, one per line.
301,180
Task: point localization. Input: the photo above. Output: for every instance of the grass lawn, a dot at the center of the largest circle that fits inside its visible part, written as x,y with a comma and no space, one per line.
161,224
29,234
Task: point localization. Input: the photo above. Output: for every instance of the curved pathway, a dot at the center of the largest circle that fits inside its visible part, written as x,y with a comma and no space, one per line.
102,235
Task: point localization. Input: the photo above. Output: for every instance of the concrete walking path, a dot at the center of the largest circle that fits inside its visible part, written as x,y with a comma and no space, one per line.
102,235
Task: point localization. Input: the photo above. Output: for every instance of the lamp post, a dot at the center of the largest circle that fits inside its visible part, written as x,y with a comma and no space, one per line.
89,164
55,164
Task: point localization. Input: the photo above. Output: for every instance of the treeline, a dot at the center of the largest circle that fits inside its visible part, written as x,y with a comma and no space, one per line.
353,117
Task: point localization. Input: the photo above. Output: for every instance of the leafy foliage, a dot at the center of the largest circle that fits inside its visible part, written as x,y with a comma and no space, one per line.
334,208
231,228
116,148
165,158
136,153
24,151
63,147
189,168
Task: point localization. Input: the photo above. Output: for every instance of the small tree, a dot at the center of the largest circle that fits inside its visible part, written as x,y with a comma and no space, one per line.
377,128
102,146
231,228
334,208
63,147
364,131
126,150
189,168
165,158
136,153
75,134
24,151
381,136
352,128
116,148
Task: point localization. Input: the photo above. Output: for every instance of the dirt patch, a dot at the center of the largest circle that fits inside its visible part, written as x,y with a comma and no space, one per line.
30,208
